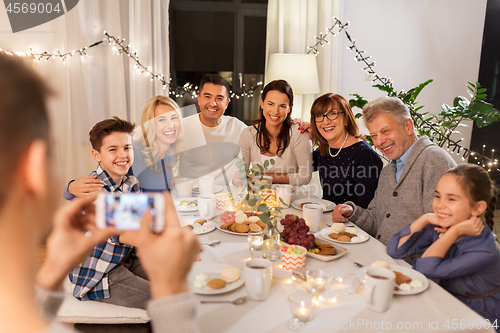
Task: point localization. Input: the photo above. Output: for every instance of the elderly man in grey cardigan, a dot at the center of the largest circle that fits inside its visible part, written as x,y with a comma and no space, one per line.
406,187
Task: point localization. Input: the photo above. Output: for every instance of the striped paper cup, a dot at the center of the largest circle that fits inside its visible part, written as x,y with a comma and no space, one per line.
292,261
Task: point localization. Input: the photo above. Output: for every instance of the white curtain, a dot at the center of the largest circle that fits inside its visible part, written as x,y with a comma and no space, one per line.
103,84
291,27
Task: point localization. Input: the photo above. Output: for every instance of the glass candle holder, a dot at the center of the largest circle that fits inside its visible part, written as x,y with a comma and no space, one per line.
319,280
255,244
302,306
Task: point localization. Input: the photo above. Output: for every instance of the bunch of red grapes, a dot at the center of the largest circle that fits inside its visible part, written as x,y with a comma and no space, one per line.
295,232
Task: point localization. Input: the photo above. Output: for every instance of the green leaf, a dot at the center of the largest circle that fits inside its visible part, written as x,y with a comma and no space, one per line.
252,202
262,208
272,161
482,90
266,164
358,115
481,96
261,168
247,196
387,89
265,218
418,89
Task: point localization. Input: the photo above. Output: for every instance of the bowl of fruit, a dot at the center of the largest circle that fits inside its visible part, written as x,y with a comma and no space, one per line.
295,232
293,257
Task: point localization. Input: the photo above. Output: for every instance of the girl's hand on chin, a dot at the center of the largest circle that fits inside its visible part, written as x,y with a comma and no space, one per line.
471,227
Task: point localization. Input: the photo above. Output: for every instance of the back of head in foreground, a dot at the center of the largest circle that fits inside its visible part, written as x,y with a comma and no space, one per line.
26,204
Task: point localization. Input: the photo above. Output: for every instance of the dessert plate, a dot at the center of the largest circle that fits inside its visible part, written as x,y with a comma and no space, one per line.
205,228
413,274
328,206
212,270
217,189
218,222
181,208
340,252
325,232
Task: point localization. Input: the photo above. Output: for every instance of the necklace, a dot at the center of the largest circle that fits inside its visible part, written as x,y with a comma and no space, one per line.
329,149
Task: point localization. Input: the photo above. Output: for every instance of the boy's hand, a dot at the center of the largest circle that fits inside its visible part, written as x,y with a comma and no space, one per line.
85,185
69,243
472,227
167,257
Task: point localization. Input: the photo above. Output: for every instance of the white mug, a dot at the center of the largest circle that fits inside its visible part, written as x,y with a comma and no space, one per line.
206,206
284,192
183,187
313,213
379,288
258,274
206,185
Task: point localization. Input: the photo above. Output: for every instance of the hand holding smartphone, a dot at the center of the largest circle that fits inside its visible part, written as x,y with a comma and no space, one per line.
124,210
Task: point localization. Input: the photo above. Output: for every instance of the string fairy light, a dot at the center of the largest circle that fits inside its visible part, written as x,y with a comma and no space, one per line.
119,46
369,69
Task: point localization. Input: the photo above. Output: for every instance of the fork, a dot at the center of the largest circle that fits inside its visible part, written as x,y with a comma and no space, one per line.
358,264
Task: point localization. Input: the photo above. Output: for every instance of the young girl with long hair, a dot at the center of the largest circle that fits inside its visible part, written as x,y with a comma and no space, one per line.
458,247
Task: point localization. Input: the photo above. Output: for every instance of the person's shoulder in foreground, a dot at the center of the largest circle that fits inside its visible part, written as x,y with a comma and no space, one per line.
28,212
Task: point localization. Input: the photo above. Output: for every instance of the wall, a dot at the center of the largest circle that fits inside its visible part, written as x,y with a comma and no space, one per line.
411,42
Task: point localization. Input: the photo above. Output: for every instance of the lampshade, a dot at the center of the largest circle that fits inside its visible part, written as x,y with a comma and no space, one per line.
299,70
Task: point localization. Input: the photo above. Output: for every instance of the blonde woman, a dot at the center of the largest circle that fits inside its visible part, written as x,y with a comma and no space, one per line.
157,146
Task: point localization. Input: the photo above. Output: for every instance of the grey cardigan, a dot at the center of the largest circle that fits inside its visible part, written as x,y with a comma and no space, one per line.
396,205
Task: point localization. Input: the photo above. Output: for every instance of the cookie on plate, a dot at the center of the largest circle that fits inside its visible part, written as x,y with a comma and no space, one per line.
230,274
216,283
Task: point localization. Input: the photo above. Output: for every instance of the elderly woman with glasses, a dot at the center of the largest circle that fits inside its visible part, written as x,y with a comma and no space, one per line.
273,136
347,165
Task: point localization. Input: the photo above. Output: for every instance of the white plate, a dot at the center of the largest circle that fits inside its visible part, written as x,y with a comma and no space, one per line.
217,189
207,227
328,206
240,233
340,252
212,270
218,223
325,232
413,274
177,203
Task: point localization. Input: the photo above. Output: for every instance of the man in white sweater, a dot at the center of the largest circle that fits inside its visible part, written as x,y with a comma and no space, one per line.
28,202
211,138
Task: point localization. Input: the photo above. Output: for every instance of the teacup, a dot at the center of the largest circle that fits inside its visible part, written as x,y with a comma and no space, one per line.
183,187
313,214
379,288
206,206
258,275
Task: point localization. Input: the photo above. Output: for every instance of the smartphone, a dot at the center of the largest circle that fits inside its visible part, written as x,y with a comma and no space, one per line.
124,210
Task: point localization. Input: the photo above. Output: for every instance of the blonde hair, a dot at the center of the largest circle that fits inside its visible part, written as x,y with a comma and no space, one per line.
147,134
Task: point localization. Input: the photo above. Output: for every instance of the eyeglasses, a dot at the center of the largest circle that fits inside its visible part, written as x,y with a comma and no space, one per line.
332,115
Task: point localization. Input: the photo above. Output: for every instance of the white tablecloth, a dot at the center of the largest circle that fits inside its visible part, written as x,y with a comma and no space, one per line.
434,310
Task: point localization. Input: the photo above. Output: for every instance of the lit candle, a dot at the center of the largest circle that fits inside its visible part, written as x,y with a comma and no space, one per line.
320,283
257,244
303,314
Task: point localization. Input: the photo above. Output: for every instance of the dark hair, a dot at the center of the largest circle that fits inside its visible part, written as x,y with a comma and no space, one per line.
321,106
476,182
214,79
106,127
263,139
23,115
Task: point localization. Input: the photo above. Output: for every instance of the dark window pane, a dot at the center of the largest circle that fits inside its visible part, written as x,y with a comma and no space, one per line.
255,45
204,41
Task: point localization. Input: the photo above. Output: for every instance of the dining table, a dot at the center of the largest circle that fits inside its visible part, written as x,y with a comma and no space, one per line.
343,309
